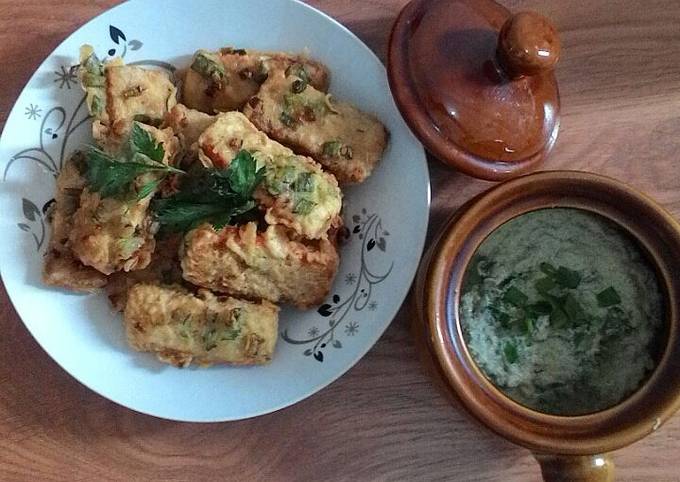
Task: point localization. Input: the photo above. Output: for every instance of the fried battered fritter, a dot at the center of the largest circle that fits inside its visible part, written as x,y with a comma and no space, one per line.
135,93
180,327
112,234
61,268
296,192
269,265
119,94
188,125
164,268
224,80
178,293
345,141
92,77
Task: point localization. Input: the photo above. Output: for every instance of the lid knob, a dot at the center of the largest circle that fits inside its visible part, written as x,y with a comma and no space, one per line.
528,44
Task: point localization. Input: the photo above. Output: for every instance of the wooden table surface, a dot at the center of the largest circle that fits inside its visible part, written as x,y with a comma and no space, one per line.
620,84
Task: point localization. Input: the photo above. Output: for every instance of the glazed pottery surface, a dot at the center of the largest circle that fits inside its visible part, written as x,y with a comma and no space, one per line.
437,299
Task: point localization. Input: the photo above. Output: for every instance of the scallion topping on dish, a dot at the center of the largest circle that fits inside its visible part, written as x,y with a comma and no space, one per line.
298,86
209,66
299,71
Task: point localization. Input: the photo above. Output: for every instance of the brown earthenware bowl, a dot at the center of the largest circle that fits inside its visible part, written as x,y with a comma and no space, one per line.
567,447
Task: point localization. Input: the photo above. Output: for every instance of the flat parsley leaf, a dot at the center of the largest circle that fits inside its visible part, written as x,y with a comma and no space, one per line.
243,174
209,195
148,189
177,215
142,142
112,176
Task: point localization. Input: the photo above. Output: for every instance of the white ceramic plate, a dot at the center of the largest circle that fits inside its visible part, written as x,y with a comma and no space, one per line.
387,215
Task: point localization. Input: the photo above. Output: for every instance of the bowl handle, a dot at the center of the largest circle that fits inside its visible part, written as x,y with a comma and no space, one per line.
576,468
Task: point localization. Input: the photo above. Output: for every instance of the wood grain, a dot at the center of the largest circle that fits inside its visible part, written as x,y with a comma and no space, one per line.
620,83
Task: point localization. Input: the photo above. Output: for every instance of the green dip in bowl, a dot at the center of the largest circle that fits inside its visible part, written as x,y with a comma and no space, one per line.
561,310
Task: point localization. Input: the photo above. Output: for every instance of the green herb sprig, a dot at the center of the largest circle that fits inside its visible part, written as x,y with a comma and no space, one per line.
209,195
556,300
143,143
113,176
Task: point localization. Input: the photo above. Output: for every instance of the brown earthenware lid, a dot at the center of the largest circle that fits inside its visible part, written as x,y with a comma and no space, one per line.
476,84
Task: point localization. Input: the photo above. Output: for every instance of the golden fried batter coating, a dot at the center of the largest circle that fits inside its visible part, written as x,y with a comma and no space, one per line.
296,192
180,327
207,296
119,94
112,234
61,268
225,80
188,125
134,93
345,141
269,265
164,268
